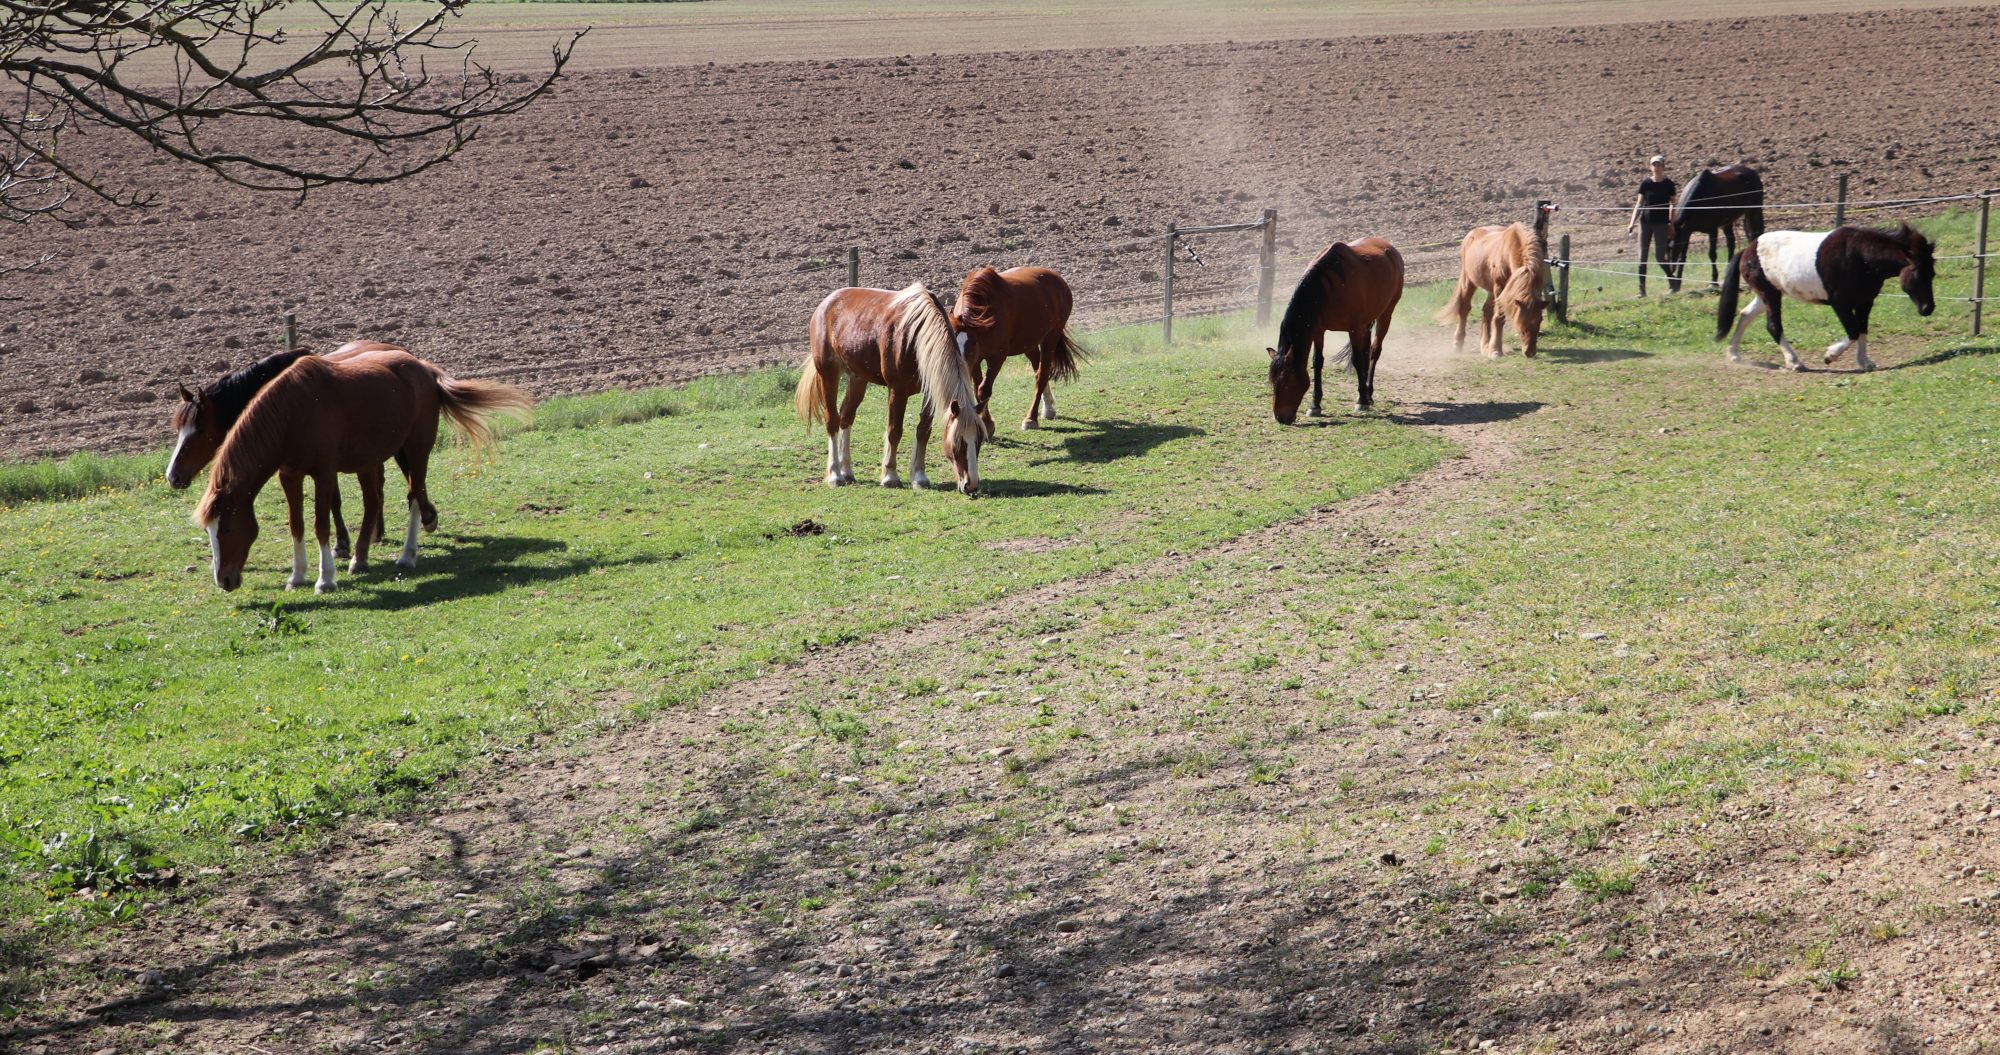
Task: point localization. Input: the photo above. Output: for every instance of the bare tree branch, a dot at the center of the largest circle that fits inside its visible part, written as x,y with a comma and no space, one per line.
203,81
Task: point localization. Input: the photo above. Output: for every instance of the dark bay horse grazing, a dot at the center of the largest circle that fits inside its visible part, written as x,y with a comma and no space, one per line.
205,416
1843,268
1503,261
1352,287
902,341
1713,201
1019,311
318,419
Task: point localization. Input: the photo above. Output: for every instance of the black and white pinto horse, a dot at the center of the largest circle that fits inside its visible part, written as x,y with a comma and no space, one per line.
1710,203
1843,268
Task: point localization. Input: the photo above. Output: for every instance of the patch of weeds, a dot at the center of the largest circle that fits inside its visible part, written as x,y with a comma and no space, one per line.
1603,884
841,726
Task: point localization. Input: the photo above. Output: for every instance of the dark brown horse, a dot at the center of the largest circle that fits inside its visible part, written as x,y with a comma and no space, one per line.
1019,311
1503,261
902,341
1712,202
318,419
205,416
1844,269
1352,288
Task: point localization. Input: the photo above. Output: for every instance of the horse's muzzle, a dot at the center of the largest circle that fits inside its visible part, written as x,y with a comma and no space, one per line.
229,581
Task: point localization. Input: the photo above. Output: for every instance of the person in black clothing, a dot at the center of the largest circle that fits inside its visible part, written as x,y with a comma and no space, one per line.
1650,217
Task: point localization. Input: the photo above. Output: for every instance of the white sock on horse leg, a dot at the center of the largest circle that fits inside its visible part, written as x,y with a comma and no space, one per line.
1049,404
298,578
1833,350
409,558
325,583
1861,353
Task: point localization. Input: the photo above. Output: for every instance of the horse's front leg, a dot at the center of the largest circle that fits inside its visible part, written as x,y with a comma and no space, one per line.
371,517
1362,353
1040,360
1856,321
323,485
892,436
1774,321
295,504
918,481
1319,361
1489,329
992,374
850,405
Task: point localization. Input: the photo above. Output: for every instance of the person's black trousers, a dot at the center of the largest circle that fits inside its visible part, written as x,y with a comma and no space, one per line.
1656,239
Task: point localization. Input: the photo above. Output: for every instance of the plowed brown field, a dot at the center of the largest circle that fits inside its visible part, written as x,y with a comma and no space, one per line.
652,224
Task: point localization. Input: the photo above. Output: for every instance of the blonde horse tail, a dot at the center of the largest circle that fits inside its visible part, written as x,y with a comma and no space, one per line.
471,406
810,400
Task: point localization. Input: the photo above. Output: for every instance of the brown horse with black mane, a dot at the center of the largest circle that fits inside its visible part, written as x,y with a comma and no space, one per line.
319,419
900,340
1019,311
1353,288
204,417
1500,259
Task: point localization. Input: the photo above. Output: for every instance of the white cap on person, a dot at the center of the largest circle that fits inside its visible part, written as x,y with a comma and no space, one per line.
1658,159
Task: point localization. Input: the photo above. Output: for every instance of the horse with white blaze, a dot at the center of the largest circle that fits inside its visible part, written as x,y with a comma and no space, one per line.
1843,268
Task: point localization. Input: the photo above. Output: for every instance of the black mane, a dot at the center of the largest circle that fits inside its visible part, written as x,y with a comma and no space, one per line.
1308,302
233,391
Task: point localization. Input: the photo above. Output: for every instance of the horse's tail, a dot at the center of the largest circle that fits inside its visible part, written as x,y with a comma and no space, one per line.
1460,302
472,405
810,400
1344,357
1732,286
1068,356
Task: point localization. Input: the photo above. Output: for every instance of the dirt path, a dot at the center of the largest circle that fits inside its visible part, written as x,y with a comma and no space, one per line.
1096,817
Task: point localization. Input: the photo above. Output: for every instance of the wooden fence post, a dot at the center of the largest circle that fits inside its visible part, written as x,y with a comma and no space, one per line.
1267,267
291,331
1979,260
1840,200
1543,208
1562,283
853,265
1167,292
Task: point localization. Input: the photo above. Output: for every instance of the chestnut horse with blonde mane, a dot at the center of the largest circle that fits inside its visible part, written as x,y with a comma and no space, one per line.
901,340
204,417
318,419
1019,311
1353,288
1500,259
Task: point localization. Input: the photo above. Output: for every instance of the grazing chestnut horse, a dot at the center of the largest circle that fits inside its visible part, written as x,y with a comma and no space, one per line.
204,417
318,419
1019,311
1500,259
903,342
1352,287
1843,268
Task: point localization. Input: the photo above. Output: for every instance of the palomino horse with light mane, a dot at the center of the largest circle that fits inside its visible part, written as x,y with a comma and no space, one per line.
1019,311
319,419
204,417
1843,268
1352,287
902,341
1500,259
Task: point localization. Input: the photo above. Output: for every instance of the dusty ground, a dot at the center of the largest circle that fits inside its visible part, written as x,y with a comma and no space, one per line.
1065,840
647,225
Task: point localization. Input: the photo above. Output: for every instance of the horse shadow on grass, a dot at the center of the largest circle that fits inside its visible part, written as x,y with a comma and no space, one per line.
453,567
1957,351
1592,355
1448,415
1114,439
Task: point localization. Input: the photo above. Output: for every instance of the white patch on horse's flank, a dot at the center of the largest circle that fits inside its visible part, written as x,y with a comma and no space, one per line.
179,445
1791,261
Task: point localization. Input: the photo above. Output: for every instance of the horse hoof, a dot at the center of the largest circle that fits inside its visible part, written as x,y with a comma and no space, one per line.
406,564
356,567
296,584
323,587
834,480
892,480
1315,412
920,482
1031,423
342,552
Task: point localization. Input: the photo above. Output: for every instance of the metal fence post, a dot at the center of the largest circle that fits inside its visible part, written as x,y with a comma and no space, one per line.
291,331
1167,292
1840,200
1267,267
853,265
1562,283
1979,259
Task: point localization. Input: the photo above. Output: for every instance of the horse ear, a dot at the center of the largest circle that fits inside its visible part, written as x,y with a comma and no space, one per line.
186,396
1272,352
